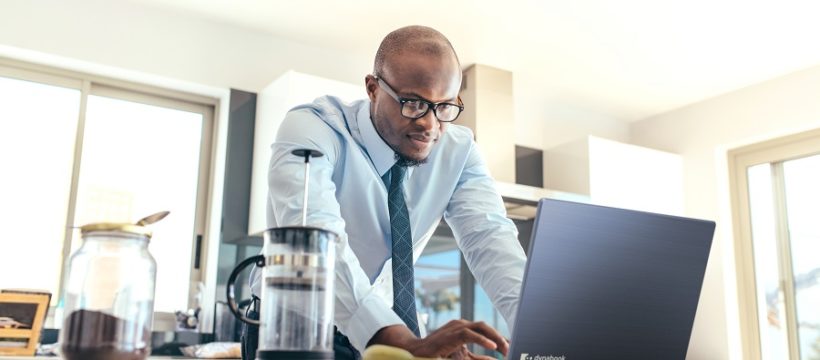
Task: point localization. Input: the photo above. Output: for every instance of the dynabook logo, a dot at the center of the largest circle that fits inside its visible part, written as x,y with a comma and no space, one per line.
526,356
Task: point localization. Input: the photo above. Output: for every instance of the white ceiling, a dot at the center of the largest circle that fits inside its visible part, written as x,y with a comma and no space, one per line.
628,59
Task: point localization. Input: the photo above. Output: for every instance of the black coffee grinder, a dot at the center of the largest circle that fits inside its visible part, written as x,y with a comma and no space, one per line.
298,270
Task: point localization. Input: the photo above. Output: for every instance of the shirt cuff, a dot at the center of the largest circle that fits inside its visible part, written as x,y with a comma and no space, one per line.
372,315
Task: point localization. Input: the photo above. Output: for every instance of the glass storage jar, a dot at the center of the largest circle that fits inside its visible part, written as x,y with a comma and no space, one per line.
109,295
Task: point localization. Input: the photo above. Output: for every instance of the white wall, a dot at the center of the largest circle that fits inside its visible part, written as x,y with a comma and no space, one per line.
703,133
544,120
136,37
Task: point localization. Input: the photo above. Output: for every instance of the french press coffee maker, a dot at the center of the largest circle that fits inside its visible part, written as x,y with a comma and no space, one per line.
298,262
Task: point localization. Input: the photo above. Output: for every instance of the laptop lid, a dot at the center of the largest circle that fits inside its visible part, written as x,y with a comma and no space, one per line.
608,283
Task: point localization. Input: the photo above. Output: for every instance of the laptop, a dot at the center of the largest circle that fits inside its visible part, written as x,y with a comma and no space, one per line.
608,283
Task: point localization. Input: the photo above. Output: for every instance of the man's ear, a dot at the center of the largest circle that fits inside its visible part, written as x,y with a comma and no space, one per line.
371,84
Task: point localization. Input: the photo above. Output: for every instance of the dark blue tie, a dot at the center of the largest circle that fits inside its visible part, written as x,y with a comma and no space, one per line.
404,296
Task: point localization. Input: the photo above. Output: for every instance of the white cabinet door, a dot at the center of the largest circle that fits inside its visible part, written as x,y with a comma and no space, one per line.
617,174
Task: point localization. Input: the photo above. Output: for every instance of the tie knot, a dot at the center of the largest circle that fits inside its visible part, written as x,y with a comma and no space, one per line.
397,174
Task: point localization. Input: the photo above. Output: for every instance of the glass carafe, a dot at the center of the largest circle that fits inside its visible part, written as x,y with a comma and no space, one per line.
297,294
109,295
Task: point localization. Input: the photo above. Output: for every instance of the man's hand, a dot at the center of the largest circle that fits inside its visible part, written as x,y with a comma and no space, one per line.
448,341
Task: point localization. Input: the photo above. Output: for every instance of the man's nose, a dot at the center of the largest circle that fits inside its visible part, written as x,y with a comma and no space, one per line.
428,121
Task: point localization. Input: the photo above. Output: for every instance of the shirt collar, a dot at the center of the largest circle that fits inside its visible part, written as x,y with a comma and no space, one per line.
380,153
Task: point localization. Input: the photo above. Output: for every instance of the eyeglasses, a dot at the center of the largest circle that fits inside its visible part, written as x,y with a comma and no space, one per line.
417,108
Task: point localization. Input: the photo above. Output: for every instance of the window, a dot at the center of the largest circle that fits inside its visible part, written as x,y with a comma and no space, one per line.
37,147
438,295
83,149
778,201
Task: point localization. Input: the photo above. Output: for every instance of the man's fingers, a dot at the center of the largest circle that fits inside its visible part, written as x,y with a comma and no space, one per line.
491,334
504,348
464,354
447,339
455,324
470,336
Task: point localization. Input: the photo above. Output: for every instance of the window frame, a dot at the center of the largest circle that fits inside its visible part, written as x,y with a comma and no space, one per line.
209,106
775,152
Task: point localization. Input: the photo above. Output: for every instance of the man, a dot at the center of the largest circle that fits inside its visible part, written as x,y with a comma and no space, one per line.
392,167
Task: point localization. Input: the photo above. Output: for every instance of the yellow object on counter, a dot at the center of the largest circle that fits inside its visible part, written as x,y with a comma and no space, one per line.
384,352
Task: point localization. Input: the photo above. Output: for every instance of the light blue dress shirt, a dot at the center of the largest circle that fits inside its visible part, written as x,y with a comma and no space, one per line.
348,197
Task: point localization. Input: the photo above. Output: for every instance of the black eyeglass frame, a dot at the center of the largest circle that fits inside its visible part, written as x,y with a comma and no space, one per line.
430,105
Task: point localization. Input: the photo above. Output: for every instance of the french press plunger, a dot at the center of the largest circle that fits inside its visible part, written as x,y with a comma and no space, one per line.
296,316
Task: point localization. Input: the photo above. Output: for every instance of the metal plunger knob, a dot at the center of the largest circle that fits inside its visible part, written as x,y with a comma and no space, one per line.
307,154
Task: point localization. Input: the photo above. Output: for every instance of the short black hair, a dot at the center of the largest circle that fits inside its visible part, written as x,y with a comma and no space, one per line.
413,38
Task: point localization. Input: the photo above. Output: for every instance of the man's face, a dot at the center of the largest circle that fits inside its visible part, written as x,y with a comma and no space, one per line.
431,78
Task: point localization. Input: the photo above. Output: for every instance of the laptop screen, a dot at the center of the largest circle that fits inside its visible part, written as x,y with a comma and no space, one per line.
607,283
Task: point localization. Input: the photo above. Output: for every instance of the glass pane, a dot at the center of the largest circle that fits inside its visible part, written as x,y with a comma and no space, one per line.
438,291
139,159
802,178
771,311
38,125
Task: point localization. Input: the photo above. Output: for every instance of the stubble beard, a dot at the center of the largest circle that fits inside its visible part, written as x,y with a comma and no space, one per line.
405,161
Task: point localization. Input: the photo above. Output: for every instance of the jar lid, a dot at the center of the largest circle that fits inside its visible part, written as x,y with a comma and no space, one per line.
119,227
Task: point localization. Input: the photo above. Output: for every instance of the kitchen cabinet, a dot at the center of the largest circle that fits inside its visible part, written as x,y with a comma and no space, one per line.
617,174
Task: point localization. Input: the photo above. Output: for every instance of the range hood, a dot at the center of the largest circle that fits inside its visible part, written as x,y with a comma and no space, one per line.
487,94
